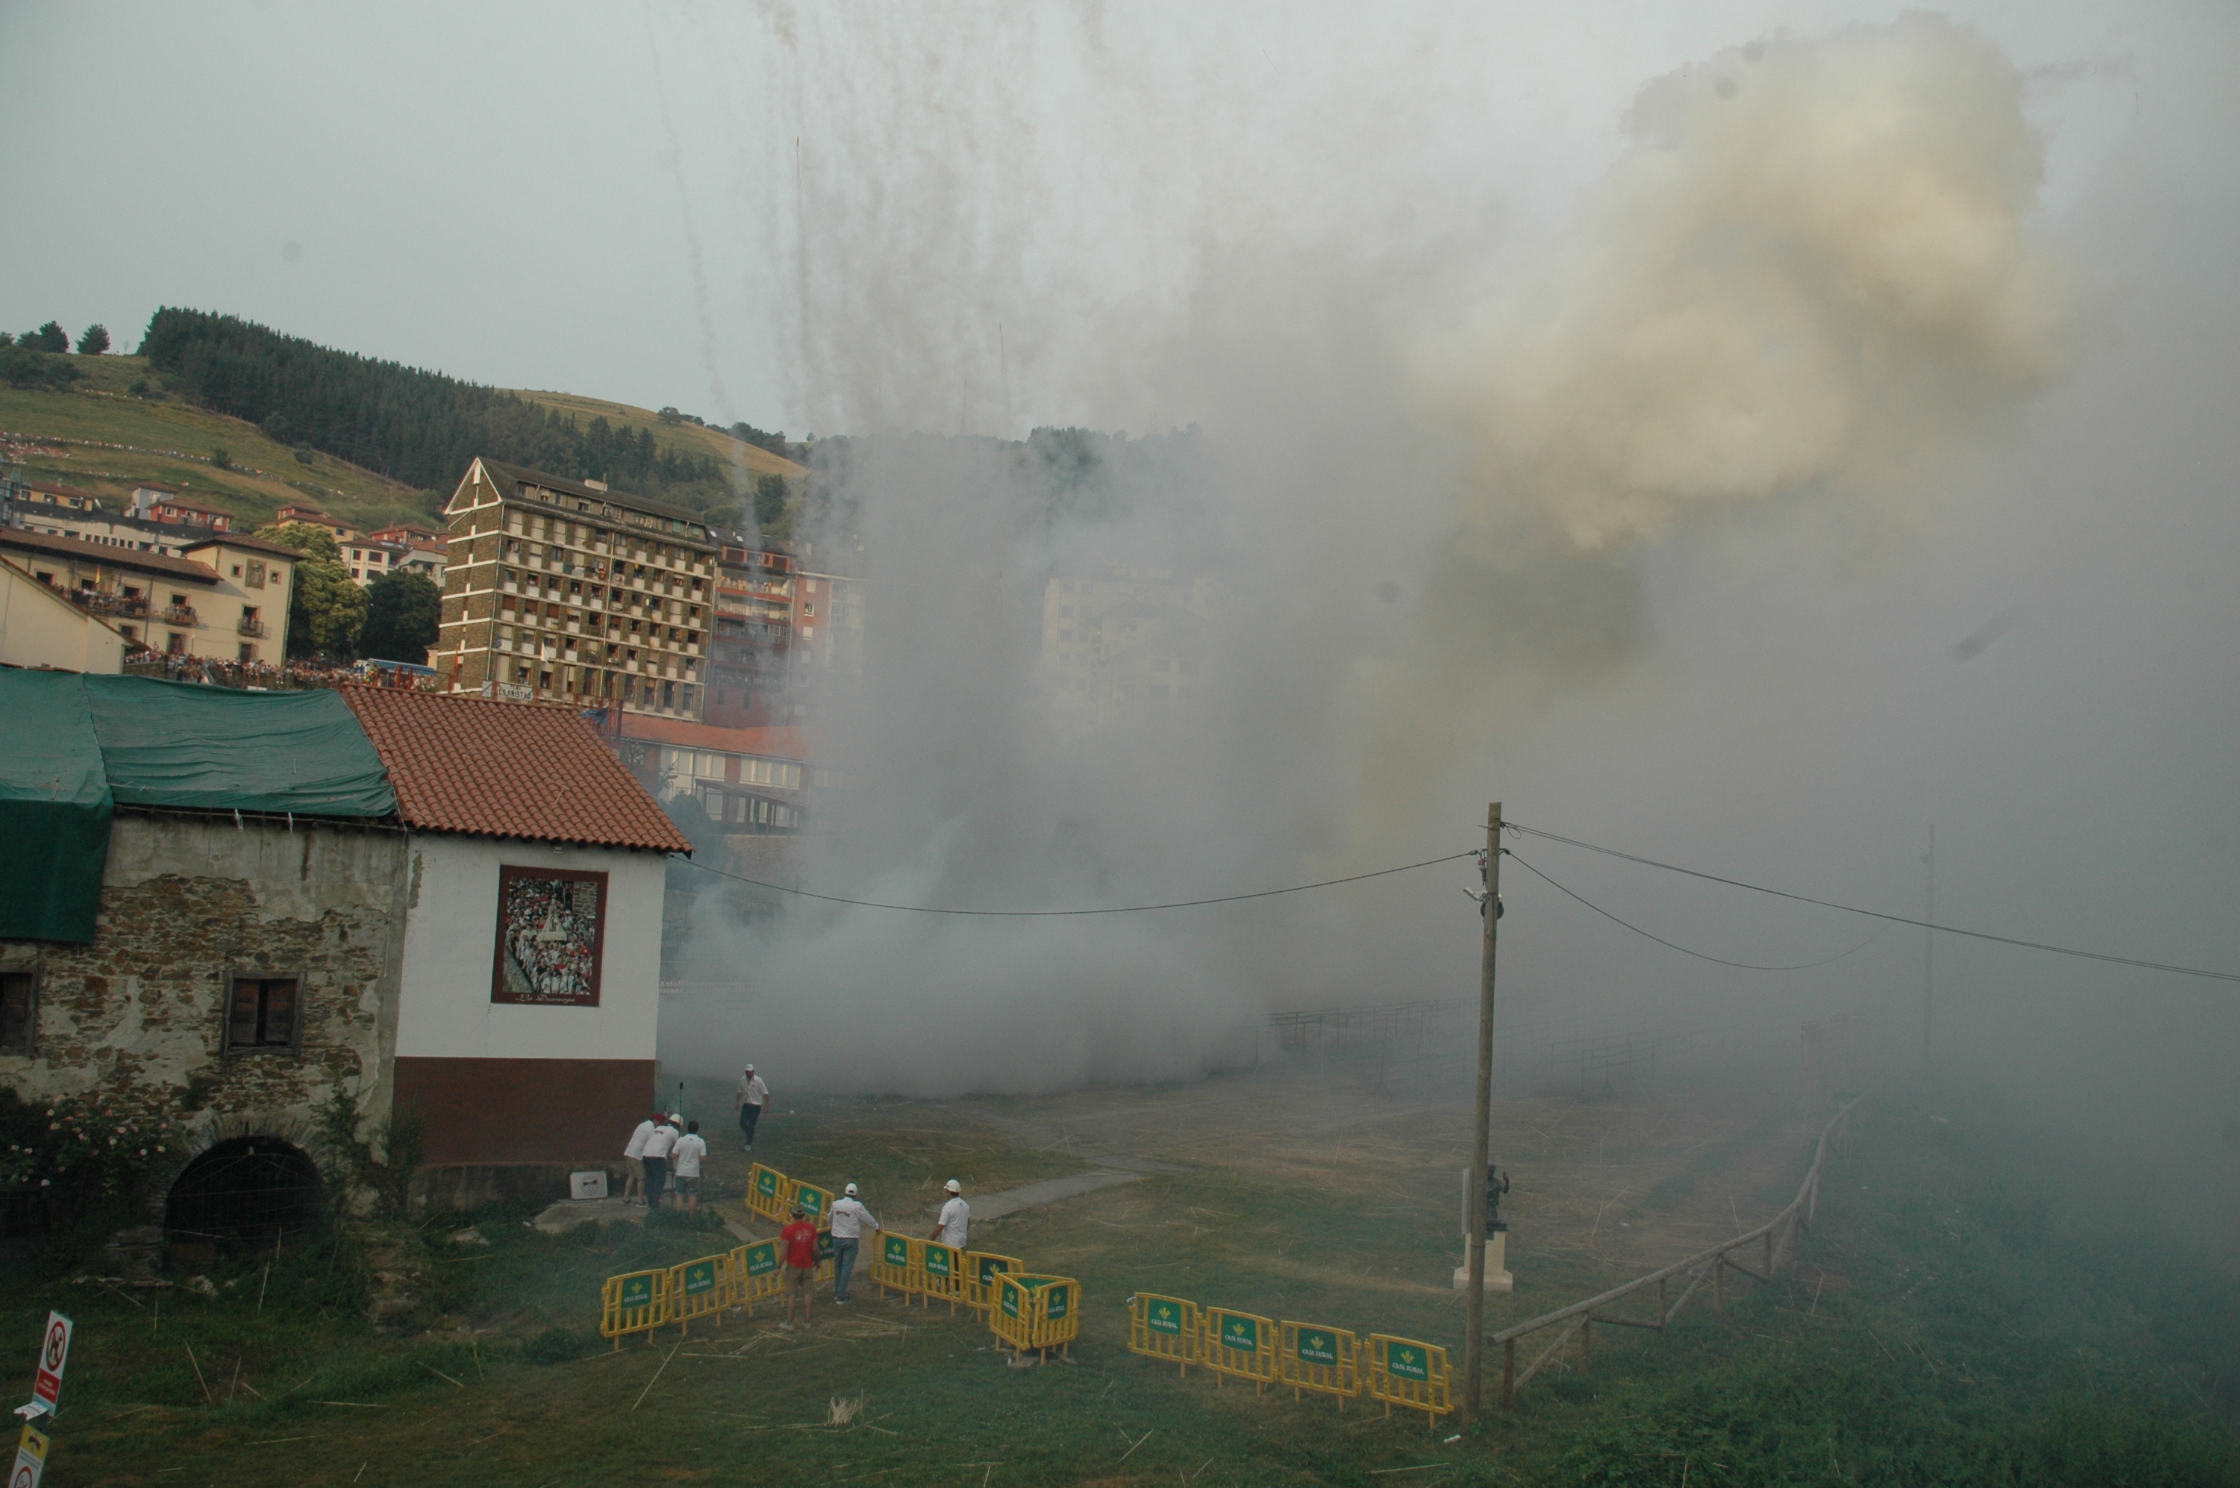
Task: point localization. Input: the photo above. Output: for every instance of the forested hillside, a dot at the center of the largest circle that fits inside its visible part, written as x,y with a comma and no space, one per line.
414,426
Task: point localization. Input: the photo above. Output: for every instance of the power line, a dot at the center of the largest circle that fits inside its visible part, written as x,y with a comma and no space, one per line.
1683,950
1042,913
1876,914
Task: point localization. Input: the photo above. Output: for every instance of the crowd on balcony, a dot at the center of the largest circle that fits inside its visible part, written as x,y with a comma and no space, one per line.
308,672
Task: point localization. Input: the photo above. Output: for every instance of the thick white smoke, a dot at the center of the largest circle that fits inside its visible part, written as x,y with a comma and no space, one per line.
1810,272
1814,265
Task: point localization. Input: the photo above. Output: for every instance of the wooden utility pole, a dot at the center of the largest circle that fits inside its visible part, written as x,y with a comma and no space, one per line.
1929,952
1474,1305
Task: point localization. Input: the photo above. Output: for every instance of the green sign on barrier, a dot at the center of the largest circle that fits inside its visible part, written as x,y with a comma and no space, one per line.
637,1291
938,1259
1318,1346
762,1258
814,1200
1408,1361
1012,1292
1060,1299
700,1276
1163,1316
990,1267
825,1252
897,1250
1241,1334
766,1183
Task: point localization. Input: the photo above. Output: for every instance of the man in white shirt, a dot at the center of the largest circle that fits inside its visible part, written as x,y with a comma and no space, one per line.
751,1097
659,1142
848,1219
634,1182
684,1161
956,1218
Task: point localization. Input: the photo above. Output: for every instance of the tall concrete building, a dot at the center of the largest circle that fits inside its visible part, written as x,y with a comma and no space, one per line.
564,591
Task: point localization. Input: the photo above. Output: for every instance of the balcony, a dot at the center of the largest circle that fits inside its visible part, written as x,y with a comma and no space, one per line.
107,604
250,626
180,615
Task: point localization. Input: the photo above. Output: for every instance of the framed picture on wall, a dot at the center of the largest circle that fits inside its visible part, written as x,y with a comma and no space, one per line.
552,932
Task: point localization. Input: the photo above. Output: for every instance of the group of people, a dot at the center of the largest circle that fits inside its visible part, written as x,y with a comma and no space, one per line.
664,1155
848,1218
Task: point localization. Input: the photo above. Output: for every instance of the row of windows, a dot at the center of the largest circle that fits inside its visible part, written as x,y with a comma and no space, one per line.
262,1012
708,764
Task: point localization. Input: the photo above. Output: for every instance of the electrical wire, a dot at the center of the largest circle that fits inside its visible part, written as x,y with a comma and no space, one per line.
1043,913
1683,950
1876,914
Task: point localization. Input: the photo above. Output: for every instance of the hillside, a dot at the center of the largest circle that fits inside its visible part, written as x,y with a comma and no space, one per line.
677,438
101,438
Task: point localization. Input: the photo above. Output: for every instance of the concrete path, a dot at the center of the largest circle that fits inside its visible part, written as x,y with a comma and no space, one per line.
1049,1190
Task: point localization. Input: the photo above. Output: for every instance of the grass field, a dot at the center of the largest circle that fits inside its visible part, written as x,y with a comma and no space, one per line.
100,438
1946,1324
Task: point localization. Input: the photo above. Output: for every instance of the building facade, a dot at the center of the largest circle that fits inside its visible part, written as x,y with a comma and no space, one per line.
406,917
564,591
226,598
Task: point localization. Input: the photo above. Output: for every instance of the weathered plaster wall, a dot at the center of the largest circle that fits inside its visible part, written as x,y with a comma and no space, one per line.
140,1013
451,945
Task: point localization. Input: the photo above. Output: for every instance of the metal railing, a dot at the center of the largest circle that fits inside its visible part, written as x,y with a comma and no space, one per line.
107,604
250,626
180,615
1777,1238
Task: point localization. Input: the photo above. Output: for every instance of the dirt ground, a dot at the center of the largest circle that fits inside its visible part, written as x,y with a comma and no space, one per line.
1302,1188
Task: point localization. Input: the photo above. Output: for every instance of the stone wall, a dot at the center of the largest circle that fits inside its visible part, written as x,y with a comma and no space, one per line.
137,1018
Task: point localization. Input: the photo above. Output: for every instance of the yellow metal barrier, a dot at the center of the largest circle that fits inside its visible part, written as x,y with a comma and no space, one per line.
1238,1343
634,1302
1036,1312
940,1273
769,1193
981,1268
818,1201
1164,1328
699,1289
755,1273
896,1264
1409,1374
1325,1360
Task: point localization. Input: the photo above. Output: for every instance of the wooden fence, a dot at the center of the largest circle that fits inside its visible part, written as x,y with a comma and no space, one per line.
1772,1245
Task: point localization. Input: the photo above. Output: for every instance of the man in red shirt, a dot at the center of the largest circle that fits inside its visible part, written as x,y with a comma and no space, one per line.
800,1241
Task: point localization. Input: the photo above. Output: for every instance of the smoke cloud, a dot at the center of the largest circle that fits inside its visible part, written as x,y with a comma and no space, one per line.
1813,267
1433,458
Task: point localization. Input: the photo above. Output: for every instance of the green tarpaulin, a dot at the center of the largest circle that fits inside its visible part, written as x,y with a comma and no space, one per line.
54,808
218,749
73,747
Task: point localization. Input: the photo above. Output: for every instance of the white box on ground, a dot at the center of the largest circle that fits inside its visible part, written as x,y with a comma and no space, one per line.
1498,1278
591,1185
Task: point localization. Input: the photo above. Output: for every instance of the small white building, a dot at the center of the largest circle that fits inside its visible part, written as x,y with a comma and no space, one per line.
223,908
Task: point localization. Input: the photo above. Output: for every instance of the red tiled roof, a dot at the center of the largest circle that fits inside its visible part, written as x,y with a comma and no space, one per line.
773,743
92,552
491,769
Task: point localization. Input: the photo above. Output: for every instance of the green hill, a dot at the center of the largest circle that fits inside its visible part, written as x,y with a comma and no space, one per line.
102,437
118,427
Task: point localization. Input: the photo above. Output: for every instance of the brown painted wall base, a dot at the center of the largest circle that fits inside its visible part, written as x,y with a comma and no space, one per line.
577,1112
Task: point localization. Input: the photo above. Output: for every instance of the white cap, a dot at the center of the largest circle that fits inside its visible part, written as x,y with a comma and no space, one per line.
850,1190
953,1186
750,1069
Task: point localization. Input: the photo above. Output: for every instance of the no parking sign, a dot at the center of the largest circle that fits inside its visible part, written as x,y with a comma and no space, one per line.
46,1385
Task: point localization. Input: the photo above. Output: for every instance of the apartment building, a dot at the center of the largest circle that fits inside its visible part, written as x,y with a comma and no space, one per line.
225,597
154,503
751,781
311,516
750,644
1128,645
564,591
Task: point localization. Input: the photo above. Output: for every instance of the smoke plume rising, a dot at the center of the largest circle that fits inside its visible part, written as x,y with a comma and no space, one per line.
1432,459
